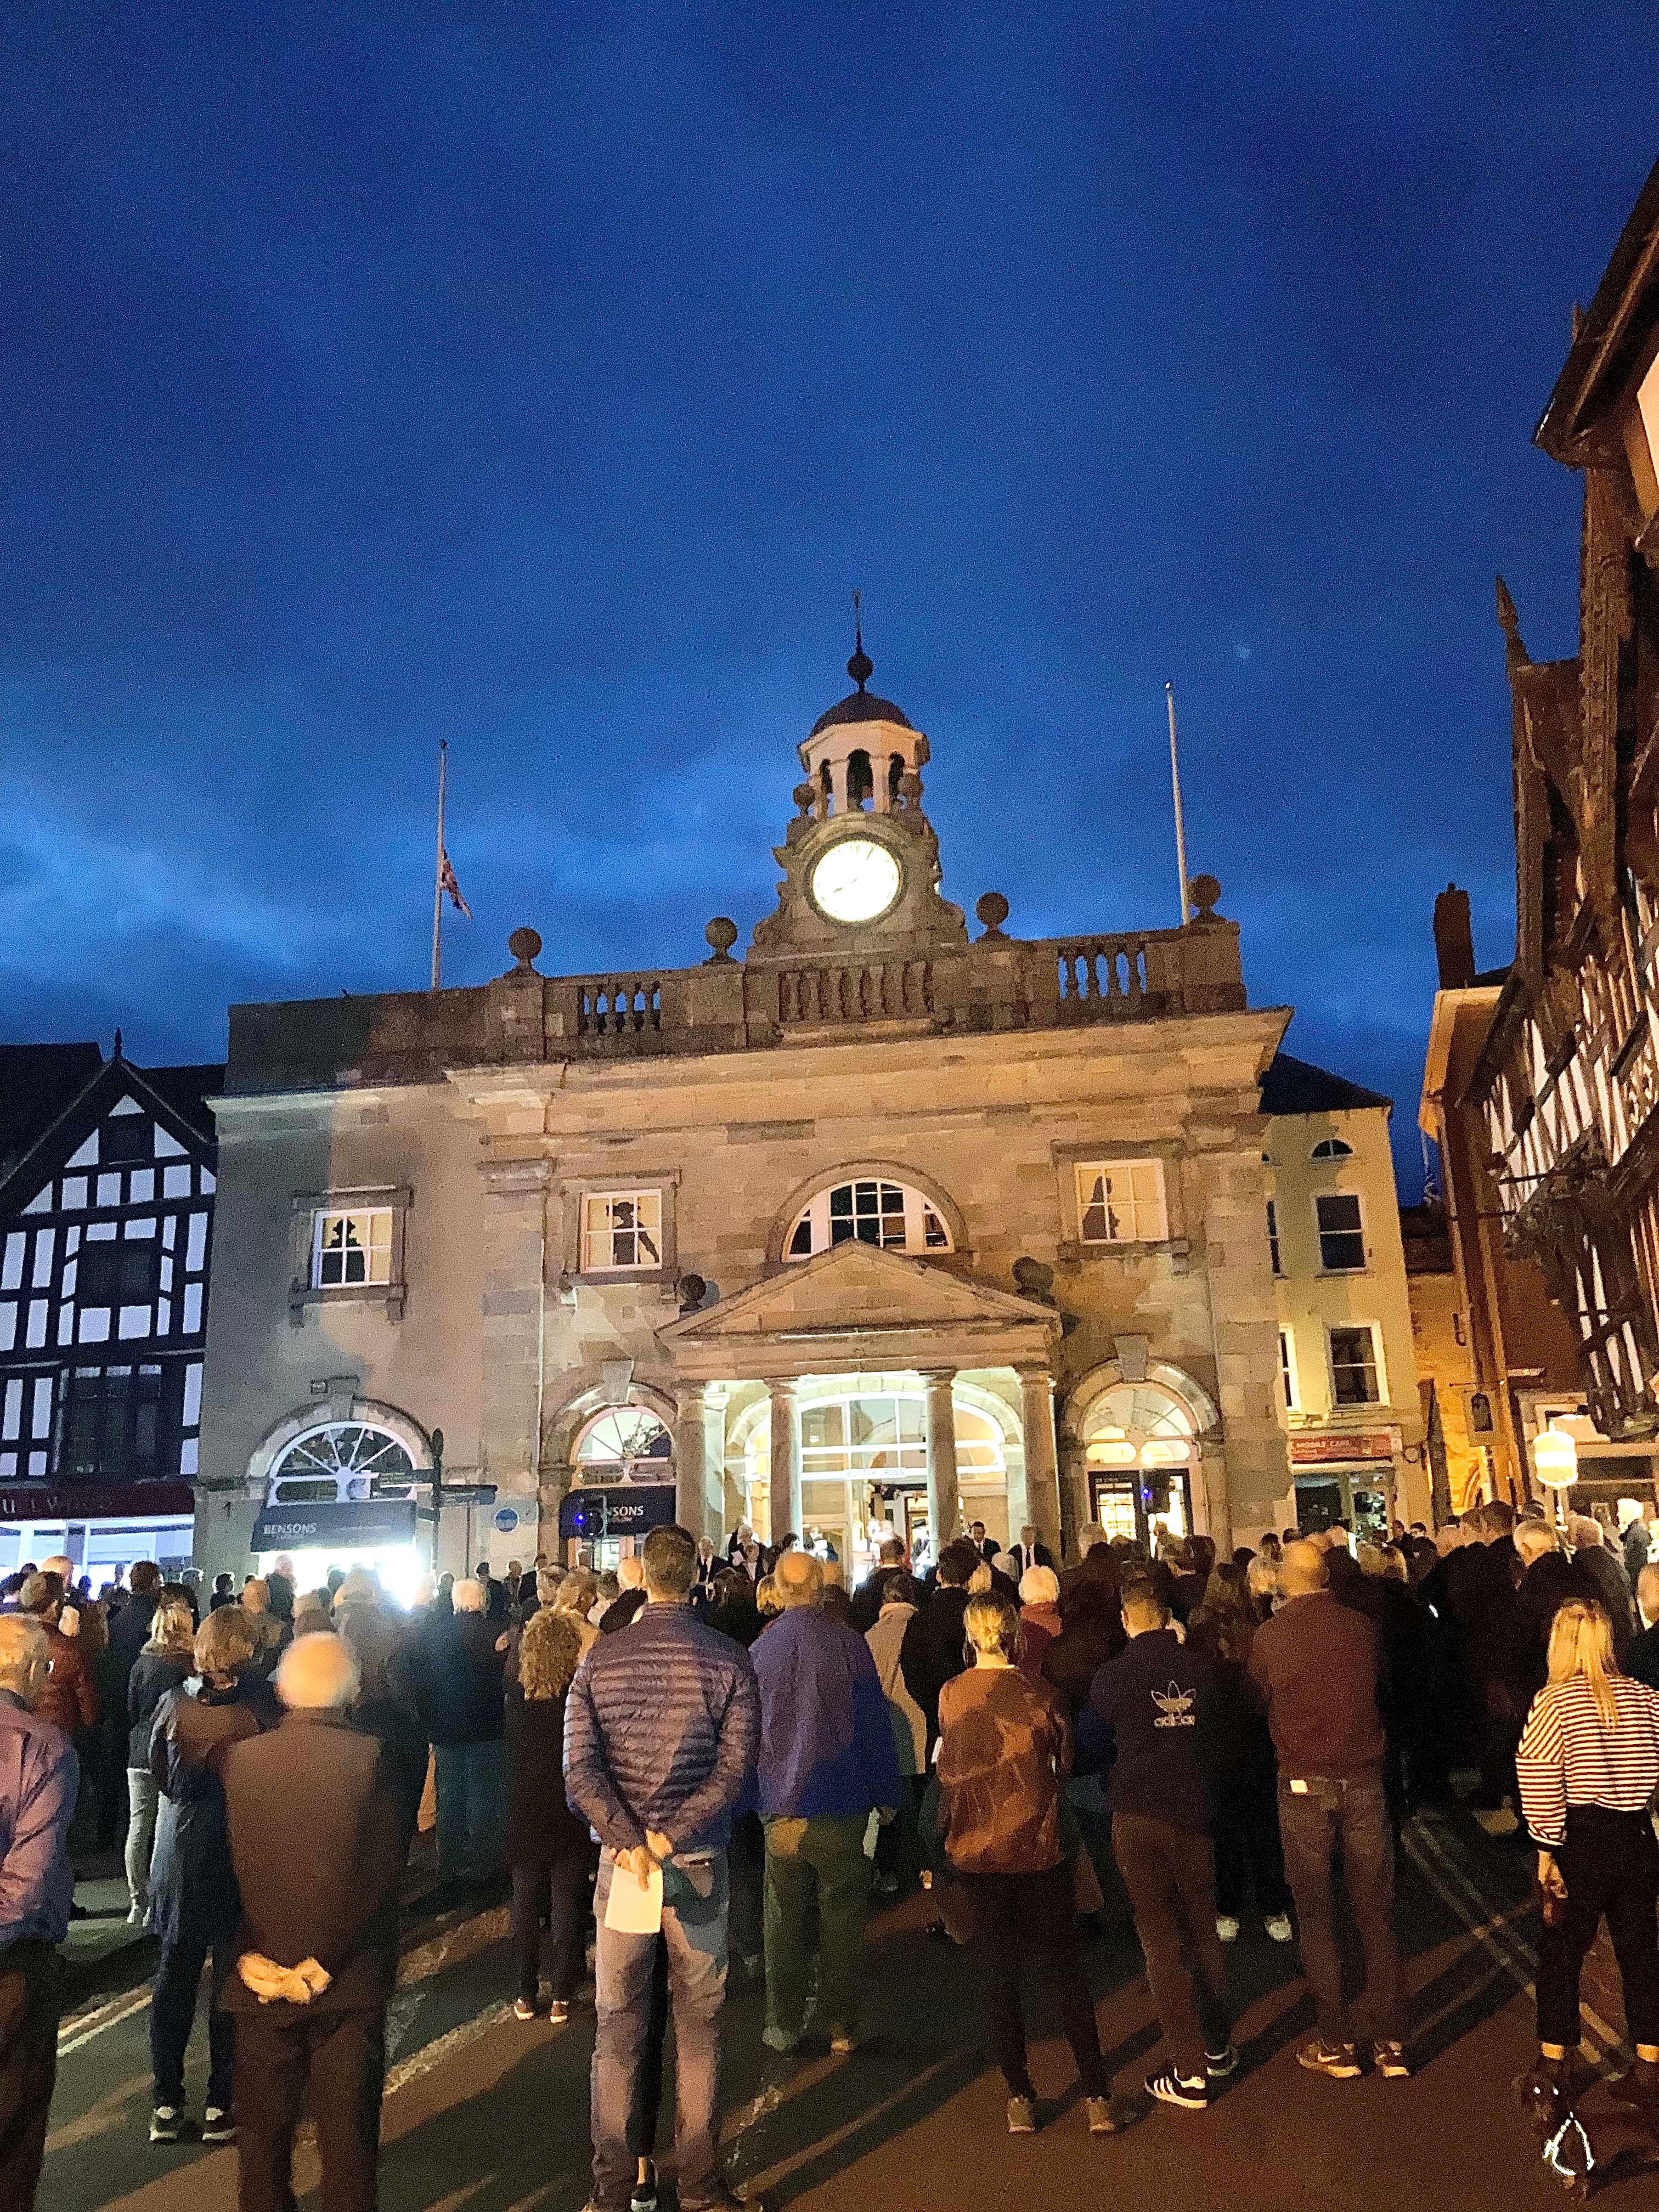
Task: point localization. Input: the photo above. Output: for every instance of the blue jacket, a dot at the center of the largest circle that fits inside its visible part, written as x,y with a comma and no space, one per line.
1156,1698
826,1744
660,1726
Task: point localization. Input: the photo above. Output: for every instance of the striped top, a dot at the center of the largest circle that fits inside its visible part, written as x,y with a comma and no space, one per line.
1566,1757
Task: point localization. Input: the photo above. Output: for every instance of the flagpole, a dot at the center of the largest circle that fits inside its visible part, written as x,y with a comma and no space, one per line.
1180,827
438,872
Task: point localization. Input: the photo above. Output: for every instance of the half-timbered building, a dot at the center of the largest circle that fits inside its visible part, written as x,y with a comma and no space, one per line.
107,1196
1568,1079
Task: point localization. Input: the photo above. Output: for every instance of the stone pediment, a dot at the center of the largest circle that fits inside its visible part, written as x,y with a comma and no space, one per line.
857,1309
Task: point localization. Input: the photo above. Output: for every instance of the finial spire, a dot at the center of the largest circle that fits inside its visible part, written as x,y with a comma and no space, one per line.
860,667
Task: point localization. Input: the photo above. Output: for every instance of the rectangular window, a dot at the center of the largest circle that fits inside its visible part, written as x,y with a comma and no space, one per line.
1341,1235
1273,1239
123,1140
1354,1367
621,1229
1122,1202
116,1274
349,1248
1287,1369
113,1422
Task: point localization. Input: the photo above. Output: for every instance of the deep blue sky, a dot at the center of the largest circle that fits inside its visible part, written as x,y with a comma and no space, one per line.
542,377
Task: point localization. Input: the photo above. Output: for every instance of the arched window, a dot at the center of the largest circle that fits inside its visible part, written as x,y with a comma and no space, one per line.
1332,1148
1140,1425
340,1460
624,1443
860,783
895,777
891,1214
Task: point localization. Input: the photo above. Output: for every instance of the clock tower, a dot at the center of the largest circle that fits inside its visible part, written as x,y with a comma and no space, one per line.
860,859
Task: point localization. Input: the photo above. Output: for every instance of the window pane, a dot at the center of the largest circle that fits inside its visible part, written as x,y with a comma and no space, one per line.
1341,1235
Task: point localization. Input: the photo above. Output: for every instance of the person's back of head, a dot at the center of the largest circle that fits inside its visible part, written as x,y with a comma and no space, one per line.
891,1554
630,1574
671,1563
1304,1570
902,1589
1090,1536
225,1642
1144,1610
319,1673
1580,1642
1039,1586
1200,1555
576,1592
374,1644
956,1562
333,1580
991,1627
25,1656
1583,1534
800,1579
1534,1541
223,1582
40,1595
1647,1593
172,1630
547,1584
360,1587
768,1603
468,1596
549,1652
144,1577
979,1581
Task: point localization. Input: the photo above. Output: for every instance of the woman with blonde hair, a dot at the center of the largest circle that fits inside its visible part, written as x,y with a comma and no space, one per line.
548,1851
1005,1750
576,1596
166,1661
195,1904
1588,1765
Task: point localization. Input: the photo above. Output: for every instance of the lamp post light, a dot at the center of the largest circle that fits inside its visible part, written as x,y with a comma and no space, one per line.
1555,1463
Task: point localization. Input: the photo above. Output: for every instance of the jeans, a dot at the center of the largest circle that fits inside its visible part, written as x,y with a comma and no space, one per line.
341,2057
1317,1820
1610,1864
470,1781
173,2014
818,1884
559,1891
1018,1916
1169,1875
141,1796
1247,1851
695,1899
30,2000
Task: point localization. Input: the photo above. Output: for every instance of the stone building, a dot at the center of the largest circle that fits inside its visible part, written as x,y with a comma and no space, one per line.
1348,1376
885,1223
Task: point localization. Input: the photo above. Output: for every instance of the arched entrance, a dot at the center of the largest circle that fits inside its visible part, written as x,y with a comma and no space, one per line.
1139,1449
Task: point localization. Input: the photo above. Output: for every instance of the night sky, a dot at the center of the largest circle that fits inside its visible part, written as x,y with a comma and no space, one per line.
544,378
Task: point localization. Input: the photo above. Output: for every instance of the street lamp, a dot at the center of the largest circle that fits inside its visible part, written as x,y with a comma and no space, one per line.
1555,1462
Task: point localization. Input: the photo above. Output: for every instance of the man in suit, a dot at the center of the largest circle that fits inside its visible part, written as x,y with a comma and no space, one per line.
315,1841
1029,1552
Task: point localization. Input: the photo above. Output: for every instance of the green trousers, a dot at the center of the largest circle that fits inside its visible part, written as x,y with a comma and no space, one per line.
817,1882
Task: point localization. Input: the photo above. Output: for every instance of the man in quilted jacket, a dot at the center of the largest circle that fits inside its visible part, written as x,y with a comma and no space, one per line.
661,1728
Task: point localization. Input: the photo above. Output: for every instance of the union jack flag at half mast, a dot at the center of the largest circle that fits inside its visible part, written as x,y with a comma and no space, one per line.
445,879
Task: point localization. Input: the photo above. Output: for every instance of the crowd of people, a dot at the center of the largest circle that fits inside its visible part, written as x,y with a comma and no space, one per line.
703,1754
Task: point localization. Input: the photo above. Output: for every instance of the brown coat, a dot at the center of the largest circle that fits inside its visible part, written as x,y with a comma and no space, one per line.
70,1696
1005,1749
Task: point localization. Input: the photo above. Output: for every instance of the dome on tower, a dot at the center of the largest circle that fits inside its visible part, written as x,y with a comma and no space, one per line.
860,706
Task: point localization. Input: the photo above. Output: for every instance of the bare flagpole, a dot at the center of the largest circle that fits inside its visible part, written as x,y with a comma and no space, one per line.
438,873
1181,830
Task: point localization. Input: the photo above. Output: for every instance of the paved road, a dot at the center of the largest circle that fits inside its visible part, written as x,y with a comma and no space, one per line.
489,2115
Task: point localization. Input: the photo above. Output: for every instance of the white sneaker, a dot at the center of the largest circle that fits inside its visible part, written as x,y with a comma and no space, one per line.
1227,1927
1278,1929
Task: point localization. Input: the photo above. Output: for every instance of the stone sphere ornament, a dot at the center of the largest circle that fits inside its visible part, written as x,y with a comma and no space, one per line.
993,910
721,936
524,945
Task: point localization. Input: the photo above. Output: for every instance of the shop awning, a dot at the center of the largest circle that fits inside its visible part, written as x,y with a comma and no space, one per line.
355,1526
627,1510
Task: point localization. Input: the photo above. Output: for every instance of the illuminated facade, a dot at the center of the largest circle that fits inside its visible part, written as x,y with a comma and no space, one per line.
885,1223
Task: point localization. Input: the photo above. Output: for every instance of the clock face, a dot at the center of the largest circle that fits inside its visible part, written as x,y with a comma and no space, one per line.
856,880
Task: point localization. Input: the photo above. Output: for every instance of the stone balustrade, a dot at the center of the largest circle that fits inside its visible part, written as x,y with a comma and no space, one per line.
996,983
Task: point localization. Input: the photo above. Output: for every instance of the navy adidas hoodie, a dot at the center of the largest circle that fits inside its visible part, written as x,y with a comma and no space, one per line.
1155,1697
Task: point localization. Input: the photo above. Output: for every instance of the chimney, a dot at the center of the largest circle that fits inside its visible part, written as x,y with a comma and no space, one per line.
1454,940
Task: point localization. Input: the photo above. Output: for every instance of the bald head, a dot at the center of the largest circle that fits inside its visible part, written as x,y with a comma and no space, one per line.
317,1675
630,1574
1533,1539
1647,1595
800,1579
1303,1570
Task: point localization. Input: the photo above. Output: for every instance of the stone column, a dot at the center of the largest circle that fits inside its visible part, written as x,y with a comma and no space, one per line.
689,1464
510,1338
714,1395
1036,1391
944,1501
786,1461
